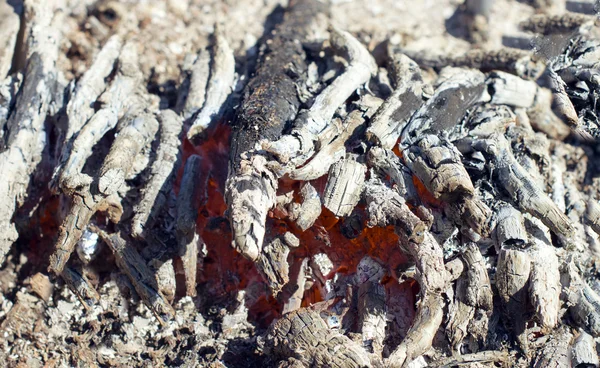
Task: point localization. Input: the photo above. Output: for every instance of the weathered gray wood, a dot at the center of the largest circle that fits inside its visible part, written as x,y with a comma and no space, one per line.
344,186
26,134
219,87
162,173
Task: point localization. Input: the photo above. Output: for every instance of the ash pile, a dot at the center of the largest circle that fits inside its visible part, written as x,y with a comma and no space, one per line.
313,201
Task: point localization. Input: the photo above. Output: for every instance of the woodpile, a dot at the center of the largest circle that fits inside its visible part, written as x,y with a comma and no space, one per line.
314,200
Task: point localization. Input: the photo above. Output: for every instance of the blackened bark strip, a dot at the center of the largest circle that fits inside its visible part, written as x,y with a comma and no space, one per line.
300,144
433,278
117,98
438,165
269,104
162,173
563,107
191,198
344,186
11,22
523,190
512,276
387,124
510,60
385,161
447,106
386,207
220,86
372,315
193,91
93,82
552,24
270,100
26,135
81,287
133,265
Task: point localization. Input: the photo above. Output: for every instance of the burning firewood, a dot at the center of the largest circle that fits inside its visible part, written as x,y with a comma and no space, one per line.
371,202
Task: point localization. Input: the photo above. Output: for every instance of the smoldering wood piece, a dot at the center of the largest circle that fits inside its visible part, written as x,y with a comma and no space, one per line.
583,301
523,190
344,185
162,173
552,24
458,317
138,133
191,198
519,62
432,278
81,287
249,196
219,87
165,278
273,265
386,125
386,207
555,353
192,93
386,162
544,285
305,336
583,351
478,290
10,17
542,117
447,106
133,265
372,315
298,146
335,150
82,209
91,85
309,210
297,287
510,227
592,214
489,356
508,89
439,167
581,6
471,212
26,136
103,195
512,275
269,104
473,291
562,105
117,98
